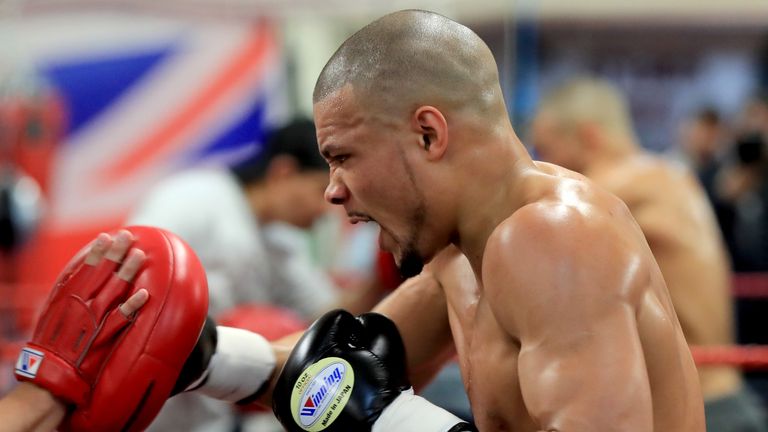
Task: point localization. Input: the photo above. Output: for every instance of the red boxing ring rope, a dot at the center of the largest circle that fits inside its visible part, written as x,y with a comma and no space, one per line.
745,357
750,286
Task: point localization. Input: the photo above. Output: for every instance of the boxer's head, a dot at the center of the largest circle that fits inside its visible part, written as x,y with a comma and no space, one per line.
285,180
581,122
397,106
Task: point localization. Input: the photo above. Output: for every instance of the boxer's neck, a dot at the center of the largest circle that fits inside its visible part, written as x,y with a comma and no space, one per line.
492,188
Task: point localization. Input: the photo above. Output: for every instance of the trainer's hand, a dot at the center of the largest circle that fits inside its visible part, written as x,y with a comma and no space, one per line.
29,407
134,303
114,250
86,311
116,329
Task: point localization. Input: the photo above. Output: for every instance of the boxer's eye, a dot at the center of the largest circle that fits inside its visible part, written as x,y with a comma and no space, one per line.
339,159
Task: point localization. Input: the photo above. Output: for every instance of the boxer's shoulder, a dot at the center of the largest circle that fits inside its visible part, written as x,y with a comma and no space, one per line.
555,218
580,236
555,264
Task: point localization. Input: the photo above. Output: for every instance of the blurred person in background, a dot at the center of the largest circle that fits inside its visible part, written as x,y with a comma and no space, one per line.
740,189
703,142
244,221
585,126
704,147
754,117
247,226
743,184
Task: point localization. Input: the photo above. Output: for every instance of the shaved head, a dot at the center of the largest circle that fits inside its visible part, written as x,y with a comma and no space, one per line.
411,58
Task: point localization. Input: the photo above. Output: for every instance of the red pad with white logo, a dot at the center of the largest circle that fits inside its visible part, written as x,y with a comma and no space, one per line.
115,371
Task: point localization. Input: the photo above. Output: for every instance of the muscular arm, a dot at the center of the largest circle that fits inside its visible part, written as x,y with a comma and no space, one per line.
561,286
419,309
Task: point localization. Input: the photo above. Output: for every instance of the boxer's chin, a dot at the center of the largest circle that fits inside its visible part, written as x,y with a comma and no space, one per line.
410,264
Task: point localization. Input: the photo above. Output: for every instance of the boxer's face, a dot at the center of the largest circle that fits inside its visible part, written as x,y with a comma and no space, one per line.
372,176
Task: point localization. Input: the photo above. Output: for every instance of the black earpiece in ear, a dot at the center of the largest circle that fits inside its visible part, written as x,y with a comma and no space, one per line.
426,142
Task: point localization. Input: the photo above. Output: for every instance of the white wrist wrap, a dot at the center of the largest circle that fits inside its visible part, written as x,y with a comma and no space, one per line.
411,413
243,362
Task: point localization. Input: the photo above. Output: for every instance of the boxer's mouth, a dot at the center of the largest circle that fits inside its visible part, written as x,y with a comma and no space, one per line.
355,218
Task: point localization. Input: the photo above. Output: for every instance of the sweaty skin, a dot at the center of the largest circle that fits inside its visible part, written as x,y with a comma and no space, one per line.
558,312
585,125
554,339
560,318
675,216
560,315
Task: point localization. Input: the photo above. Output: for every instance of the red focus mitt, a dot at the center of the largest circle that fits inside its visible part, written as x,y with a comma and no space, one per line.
117,372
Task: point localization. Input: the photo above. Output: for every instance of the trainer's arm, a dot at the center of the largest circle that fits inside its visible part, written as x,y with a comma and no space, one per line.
559,286
30,408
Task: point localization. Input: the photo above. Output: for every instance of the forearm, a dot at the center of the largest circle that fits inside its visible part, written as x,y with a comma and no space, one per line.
282,349
419,310
362,297
30,408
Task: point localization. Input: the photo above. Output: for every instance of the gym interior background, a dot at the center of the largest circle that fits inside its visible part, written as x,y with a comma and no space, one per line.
99,100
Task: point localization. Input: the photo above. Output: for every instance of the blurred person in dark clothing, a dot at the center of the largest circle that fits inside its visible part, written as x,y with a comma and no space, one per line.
703,141
704,147
743,184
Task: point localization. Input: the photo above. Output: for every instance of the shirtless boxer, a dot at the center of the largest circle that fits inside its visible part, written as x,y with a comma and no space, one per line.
568,325
571,326
584,125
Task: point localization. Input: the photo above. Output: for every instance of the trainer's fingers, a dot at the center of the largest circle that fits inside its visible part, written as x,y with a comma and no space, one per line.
131,265
120,245
98,249
134,303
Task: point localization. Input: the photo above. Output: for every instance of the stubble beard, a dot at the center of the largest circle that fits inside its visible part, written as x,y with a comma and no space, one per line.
411,262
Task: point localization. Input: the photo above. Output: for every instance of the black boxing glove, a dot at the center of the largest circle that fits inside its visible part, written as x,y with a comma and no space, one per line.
349,374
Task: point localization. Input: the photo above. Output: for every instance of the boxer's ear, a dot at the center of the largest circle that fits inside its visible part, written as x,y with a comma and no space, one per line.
431,128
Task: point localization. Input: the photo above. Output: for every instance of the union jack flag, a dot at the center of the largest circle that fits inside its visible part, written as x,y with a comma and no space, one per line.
142,97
